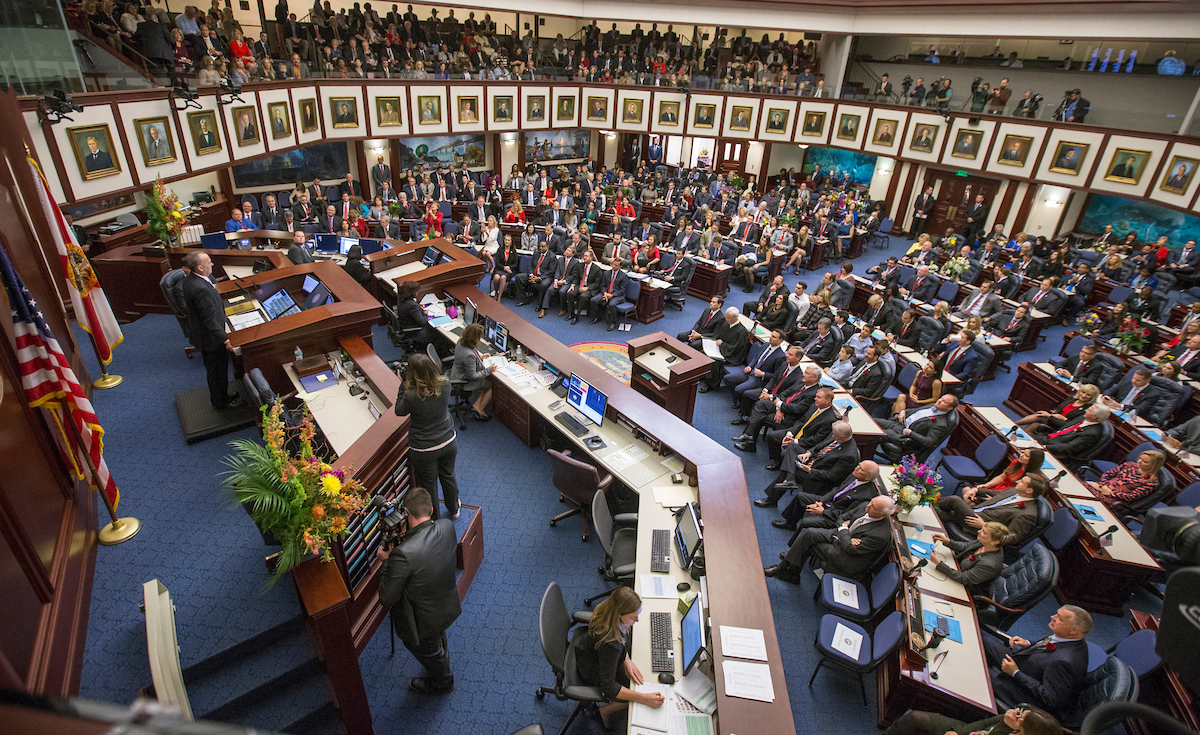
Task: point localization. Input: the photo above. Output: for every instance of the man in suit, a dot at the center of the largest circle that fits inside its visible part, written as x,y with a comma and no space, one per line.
687,240
388,227
1048,673
1183,262
1073,443
924,287
886,274
539,277
302,210
705,323
316,193
733,341
983,303
907,333
247,129
417,584
206,328
823,511
563,273
849,551
1186,436
810,430
1188,356
1077,107
1083,368
1077,288
976,219
271,216
330,221
235,222
751,379
1134,392
1011,324
1044,298
679,273
298,251
610,296
351,187
825,464
1144,304
381,173
910,432
585,283
962,360
868,376
822,345
251,220
1015,507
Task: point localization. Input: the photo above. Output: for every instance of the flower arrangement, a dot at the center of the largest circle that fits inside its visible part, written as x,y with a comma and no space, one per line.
915,483
1100,247
303,502
955,267
164,215
1090,323
1132,336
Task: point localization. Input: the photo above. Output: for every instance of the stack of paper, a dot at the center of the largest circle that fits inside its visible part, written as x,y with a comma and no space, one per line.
658,586
748,681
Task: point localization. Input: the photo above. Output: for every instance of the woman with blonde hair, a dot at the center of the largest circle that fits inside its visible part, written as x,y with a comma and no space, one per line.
801,245
979,562
757,262
601,659
1125,484
1066,412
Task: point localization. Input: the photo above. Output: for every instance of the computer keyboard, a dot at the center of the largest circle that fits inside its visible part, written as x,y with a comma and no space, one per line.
571,423
660,551
662,650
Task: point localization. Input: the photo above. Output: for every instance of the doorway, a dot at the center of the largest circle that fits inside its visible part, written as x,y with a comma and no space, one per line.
953,194
732,156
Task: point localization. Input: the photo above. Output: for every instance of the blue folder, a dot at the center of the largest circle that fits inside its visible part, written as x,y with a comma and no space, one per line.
313,383
1088,512
955,632
920,548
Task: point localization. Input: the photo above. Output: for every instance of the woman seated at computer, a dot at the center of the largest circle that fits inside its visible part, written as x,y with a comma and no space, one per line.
410,315
356,266
1029,461
1066,412
468,366
601,659
425,399
979,562
1128,483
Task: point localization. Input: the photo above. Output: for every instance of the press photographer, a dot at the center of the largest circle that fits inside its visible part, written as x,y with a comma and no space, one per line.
416,584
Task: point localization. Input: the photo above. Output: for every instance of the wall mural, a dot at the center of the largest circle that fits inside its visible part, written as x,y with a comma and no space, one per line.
557,145
836,161
1148,221
317,161
461,150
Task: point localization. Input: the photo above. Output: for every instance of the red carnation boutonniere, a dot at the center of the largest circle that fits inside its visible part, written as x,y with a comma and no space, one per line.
1050,646
973,557
1021,504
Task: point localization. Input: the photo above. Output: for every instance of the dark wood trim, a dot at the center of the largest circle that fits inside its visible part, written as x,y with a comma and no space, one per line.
1010,191
56,154
366,118
364,171
893,187
226,182
497,154
120,125
1026,207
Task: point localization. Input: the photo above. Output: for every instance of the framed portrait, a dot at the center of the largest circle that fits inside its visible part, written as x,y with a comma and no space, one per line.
1179,175
1127,166
387,112
885,132
155,140
923,138
1015,150
280,119
566,107
741,117
345,111
597,108
632,112
777,120
1068,157
502,108
203,126
535,107
848,127
245,125
668,113
310,114
814,123
429,109
966,144
468,109
705,115
94,151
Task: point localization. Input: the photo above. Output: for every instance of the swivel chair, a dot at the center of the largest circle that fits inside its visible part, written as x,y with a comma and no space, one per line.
1019,588
577,483
620,548
554,624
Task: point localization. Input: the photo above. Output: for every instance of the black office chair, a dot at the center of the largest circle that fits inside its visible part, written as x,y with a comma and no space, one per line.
1085,462
460,397
1114,681
1019,588
171,285
554,624
620,548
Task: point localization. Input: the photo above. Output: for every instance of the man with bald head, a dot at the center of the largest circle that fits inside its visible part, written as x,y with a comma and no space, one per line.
823,511
850,550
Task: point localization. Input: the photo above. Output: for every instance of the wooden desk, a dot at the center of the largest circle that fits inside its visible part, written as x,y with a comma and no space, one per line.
1162,688
399,262
210,216
710,279
649,306
130,281
672,384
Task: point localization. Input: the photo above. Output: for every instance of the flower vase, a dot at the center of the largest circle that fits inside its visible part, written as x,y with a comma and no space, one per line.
1122,349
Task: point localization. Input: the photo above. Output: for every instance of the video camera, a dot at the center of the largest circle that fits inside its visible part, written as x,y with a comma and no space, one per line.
975,84
906,83
393,519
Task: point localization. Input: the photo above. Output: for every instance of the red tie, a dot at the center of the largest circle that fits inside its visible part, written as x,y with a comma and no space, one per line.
1039,296
612,282
539,265
1067,430
954,356
974,301
917,284
1011,324
782,378
345,210
583,282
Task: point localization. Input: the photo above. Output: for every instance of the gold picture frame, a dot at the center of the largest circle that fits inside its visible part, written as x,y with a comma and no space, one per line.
632,111
741,117
155,140
429,109
1068,157
967,144
468,109
777,120
923,139
344,112
1127,165
1014,151
668,113
1175,180
310,114
885,132
502,108
535,107
279,117
597,108
814,123
246,129
565,109
388,112
848,126
706,115
95,151
202,124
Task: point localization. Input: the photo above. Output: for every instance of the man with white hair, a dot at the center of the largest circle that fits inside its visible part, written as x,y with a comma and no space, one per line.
850,550
734,343
1073,444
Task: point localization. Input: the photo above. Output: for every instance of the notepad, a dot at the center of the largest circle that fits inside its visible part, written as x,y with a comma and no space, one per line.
920,548
847,641
438,321
1153,434
1088,512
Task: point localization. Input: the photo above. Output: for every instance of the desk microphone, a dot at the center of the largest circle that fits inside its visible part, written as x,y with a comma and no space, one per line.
936,636
1111,530
1054,480
1011,431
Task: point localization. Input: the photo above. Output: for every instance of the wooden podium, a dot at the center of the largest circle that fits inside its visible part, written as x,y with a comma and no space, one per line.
672,384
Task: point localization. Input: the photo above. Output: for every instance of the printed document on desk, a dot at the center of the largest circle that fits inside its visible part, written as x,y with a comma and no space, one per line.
743,643
624,457
658,586
712,349
748,681
653,718
699,690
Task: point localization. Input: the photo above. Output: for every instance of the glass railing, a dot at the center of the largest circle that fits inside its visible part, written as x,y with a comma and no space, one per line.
36,53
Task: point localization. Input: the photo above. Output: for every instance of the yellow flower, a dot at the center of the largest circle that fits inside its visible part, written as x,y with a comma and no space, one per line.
331,485
337,525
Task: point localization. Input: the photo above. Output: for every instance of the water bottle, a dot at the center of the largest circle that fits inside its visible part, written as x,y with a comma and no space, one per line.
1132,415
299,354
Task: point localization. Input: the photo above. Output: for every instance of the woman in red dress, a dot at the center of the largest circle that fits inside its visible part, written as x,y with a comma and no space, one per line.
432,220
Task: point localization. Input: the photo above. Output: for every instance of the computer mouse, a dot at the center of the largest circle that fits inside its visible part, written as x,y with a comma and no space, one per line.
683,586
665,678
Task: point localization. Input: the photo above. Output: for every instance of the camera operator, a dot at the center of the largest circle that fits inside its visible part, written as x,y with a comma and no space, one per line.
416,583
944,95
918,93
1074,107
1028,105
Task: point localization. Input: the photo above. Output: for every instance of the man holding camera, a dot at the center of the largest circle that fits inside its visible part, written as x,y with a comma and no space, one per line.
417,585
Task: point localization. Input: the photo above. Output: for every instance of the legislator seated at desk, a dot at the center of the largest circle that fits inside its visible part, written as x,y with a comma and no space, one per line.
826,464
864,534
977,563
921,431
787,400
1075,443
1013,721
822,511
1048,673
1016,507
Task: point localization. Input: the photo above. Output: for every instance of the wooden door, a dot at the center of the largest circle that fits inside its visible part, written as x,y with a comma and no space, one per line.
954,194
731,155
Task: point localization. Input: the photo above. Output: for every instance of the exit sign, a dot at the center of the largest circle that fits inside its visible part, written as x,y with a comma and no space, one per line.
961,173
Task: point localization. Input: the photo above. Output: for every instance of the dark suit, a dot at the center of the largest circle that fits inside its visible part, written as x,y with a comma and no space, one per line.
614,282
1074,443
1077,297
923,204
417,584
977,213
810,430
542,266
746,384
704,324
964,364
1047,301
1019,516
582,285
832,463
735,344
837,501
1143,307
1002,325
834,549
868,383
1048,679
1089,372
206,330
926,433
1146,401
908,335
271,218
821,349
1190,365
330,224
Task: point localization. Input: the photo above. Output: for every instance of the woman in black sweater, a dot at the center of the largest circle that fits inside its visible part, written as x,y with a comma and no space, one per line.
409,315
979,562
602,660
775,316
356,266
425,398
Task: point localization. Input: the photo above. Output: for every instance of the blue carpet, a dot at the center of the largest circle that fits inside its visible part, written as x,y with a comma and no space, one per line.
210,556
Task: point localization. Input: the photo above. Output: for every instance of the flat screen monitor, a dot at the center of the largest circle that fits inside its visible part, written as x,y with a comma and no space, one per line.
371,246
201,197
310,282
445,259
317,297
470,311
496,334
691,629
280,304
243,244
431,256
327,243
345,243
688,533
214,241
586,400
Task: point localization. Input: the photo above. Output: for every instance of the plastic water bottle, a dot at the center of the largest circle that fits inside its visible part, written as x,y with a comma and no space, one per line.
299,354
1132,415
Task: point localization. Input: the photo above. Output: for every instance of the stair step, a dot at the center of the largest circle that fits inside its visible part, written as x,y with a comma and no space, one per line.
322,721
279,701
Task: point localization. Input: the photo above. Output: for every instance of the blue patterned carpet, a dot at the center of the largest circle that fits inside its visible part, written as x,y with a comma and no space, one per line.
210,556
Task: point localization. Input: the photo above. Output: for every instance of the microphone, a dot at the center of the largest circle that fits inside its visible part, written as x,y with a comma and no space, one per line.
920,563
935,639
1011,431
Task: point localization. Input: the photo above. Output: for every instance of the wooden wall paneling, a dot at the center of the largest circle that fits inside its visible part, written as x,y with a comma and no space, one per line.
1031,191
1000,213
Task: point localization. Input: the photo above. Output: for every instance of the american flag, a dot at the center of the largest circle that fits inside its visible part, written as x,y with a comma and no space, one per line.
48,380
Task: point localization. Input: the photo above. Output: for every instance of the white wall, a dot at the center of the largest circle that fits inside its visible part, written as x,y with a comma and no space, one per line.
754,159
785,156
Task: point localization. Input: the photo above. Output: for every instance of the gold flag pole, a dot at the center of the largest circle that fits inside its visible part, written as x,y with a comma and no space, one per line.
105,381
120,529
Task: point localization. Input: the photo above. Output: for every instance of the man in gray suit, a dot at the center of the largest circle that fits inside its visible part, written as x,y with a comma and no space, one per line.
417,585
1044,298
983,303
850,550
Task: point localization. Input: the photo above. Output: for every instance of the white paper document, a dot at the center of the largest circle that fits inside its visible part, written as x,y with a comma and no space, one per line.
625,457
658,586
673,463
653,718
690,724
748,681
712,349
674,496
699,690
845,593
743,643
846,641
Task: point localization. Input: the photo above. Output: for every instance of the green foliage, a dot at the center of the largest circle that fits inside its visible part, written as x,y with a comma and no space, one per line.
255,478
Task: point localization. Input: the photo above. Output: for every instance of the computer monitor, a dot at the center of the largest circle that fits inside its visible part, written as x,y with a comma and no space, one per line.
445,259
586,400
244,244
329,301
431,256
499,337
346,243
280,304
202,197
317,297
214,241
327,243
688,534
371,246
691,629
310,282
469,311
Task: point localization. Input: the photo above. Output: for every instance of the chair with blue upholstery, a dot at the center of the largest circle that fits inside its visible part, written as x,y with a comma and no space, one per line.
872,649
1062,530
1100,466
252,199
1137,650
1019,588
633,289
1096,656
1073,347
1114,681
1113,370
285,198
332,194
907,375
947,292
868,601
1118,294
880,236
988,456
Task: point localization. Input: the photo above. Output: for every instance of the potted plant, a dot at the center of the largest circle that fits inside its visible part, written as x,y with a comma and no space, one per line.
290,493
915,483
164,217
1090,323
